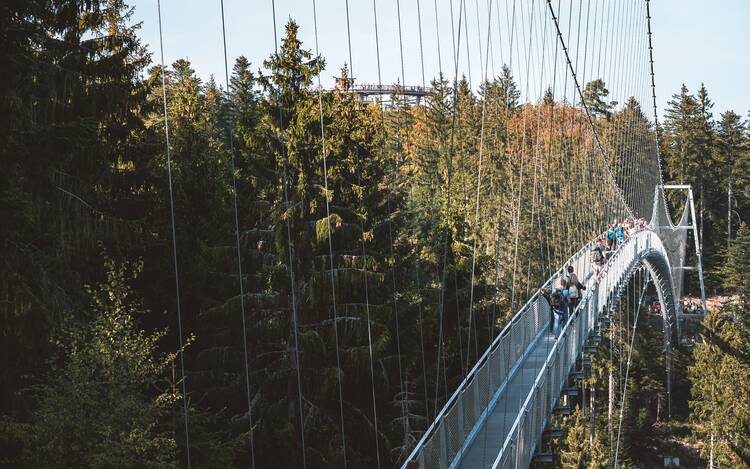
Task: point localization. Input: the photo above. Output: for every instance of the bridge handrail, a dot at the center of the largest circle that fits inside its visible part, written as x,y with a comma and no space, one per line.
573,330
391,88
433,429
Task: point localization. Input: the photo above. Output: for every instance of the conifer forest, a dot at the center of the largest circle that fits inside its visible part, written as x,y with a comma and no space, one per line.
246,272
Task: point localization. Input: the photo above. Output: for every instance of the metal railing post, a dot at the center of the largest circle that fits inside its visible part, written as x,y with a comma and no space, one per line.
477,408
460,418
443,447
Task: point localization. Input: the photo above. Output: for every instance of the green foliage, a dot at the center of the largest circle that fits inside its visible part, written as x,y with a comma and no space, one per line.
507,88
107,400
594,95
417,246
721,391
579,450
736,274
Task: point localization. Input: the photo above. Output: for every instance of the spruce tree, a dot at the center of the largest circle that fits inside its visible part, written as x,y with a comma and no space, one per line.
731,145
508,89
594,94
736,273
720,391
706,141
680,130
549,97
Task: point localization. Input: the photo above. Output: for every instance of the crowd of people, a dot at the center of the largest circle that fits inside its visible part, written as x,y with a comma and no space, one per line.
618,233
690,306
566,293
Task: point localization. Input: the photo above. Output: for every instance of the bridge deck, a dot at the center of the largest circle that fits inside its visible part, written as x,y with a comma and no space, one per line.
489,440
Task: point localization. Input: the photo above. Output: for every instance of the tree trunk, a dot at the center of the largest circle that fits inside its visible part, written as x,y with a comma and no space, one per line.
592,420
729,210
658,409
294,398
583,387
700,241
611,406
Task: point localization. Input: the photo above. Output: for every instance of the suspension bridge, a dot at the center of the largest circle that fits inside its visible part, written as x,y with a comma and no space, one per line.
576,151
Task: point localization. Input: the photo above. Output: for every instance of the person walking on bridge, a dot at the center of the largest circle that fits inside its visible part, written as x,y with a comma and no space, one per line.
599,255
621,234
557,299
575,289
612,235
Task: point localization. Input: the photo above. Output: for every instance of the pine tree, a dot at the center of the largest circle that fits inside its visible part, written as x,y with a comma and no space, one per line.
508,88
731,145
720,391
578,450
594,94
356,172
245,113
290,116
549,97
74,170
706,141
736,273
680,131
629,140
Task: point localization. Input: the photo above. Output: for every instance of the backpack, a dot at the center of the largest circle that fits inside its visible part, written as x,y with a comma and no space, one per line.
556,298
597,256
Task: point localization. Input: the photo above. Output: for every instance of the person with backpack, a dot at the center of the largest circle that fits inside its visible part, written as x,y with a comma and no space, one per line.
574,287
599,255
610,239
620,234
556,297
612,236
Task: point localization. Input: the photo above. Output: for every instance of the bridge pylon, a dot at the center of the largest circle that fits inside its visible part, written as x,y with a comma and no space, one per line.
697,242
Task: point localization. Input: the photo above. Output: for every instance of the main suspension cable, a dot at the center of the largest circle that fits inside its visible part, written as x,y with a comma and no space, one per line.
364,264
324,157
290,251
394,291
478,198
174,242
656,116
239,252
448,205
627,373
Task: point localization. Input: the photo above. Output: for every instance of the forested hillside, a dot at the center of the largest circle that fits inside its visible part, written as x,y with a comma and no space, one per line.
375,295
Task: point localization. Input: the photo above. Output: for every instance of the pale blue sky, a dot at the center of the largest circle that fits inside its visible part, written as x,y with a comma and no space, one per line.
694,40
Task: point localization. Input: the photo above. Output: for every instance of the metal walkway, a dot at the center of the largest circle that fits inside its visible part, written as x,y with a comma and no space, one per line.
488,441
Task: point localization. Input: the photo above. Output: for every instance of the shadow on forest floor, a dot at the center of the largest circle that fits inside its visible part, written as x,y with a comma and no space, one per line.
671,439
